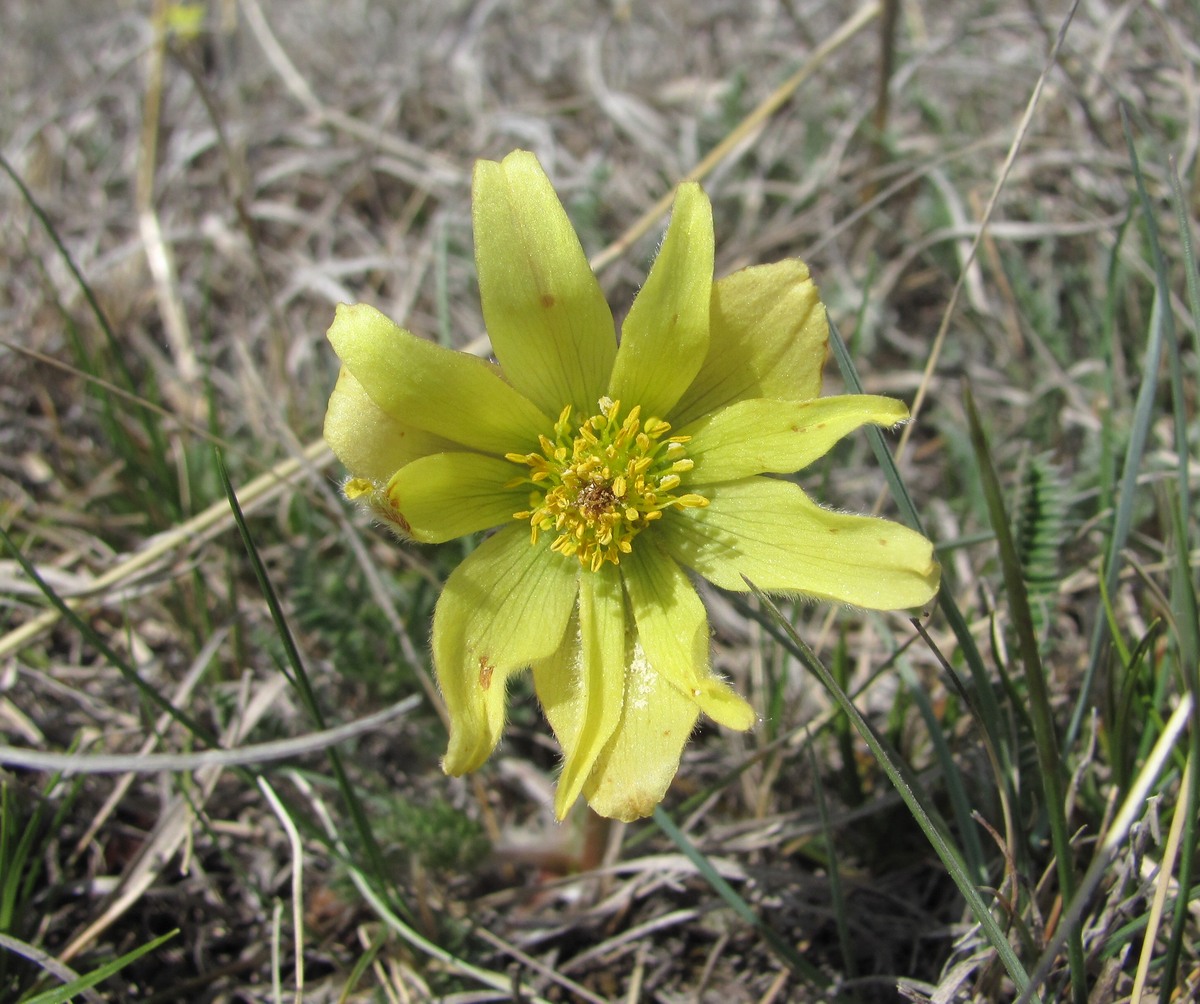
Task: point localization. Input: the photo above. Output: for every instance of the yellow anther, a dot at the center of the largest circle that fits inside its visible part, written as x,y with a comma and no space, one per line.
599,482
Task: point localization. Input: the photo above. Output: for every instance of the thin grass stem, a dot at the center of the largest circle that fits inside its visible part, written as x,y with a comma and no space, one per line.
300,680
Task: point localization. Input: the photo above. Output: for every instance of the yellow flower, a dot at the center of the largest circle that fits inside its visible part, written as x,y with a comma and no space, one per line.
605,472
185,20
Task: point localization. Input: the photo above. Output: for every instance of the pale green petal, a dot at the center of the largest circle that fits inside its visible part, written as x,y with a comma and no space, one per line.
672,628
757,436
665,335
504,607
544,310
770,532
632,774
449,394
583,704
633,770
558,682
767,338
449,495
369,442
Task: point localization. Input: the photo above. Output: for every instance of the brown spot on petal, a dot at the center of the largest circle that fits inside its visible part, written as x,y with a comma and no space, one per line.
548,300
394,514
486,669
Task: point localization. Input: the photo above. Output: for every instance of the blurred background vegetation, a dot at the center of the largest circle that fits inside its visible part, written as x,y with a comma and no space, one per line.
998,196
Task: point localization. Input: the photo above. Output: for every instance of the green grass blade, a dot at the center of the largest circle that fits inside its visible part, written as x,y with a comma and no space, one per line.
299,678
52,232
984,701
797,963
1045,737
949,854
837,898
359,969
882,454
127,671
16,840
1162,298
955,784
157,444
1132,808
908,510
1190,844
1143,417
1188,252
69,990
1185,616
1183,588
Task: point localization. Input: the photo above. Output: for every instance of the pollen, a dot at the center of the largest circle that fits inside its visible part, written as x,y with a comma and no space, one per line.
597,484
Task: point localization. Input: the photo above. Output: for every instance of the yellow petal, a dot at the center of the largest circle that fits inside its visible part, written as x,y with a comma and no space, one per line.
504,607
581,686
450,394
757,436
546,315
632,774
558,682
369,442
767,338
449,495
672,628
665,334
770,532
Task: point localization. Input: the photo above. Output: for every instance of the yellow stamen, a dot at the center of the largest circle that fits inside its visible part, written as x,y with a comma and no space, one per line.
598,483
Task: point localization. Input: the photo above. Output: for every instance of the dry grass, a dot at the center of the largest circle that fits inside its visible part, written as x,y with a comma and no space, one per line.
220,194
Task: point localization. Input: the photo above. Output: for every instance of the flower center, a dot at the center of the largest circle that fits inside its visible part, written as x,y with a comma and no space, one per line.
600,483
